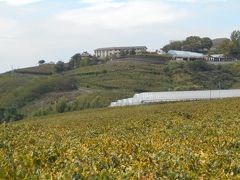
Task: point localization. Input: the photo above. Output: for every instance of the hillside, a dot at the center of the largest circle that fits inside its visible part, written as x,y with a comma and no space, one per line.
192,140
99,85
45,69
217,42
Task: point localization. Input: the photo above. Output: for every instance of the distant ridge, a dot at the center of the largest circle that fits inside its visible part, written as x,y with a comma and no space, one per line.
218,41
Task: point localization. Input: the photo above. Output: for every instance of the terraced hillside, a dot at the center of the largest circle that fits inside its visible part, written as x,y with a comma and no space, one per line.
99,85
192,140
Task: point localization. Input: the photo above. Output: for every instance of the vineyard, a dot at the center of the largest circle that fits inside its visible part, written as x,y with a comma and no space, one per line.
189,140
98,85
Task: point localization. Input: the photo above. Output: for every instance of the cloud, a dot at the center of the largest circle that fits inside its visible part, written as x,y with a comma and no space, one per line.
96,1
19,2
56,29
198,1
119,14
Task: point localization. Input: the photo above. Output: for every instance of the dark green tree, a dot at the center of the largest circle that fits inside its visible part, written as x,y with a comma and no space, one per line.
231,47
75,61
41,62
235,44
192,43
59,67
174,45
206,43
235,37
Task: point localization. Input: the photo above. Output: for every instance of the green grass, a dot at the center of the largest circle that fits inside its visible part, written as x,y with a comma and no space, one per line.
192,140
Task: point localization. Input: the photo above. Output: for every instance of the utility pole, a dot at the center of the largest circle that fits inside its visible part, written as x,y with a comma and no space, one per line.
12,70
210,94
219,86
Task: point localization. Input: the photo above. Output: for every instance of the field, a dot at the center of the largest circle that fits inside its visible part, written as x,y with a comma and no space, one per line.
185,140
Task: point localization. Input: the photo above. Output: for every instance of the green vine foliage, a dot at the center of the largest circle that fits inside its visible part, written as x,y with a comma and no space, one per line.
190,140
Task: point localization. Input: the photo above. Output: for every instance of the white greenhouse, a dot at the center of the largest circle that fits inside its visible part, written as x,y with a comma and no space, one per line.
155,97
185,55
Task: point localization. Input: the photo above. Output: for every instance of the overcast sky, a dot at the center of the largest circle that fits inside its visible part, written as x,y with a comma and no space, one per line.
54,30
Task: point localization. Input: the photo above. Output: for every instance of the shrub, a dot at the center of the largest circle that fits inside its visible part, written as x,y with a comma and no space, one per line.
199,66
10,114
59,67
61,105
65,84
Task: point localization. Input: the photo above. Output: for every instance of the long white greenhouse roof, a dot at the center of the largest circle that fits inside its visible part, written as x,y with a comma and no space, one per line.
185,54
154,97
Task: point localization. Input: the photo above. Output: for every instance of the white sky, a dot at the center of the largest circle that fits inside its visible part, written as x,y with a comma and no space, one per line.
54,30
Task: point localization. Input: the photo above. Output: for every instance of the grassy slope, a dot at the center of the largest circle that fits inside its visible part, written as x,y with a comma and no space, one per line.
112,81
192,140
45,69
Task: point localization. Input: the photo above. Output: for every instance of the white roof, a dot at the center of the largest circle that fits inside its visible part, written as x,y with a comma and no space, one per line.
217,55
154,97
185,54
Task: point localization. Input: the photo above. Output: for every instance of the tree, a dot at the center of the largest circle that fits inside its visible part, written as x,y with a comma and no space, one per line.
192,43
94,60
224,48
231,47
75,61
235,44
174,45
59,67
235,37
85,61
132,52
41,62
206,43
166,48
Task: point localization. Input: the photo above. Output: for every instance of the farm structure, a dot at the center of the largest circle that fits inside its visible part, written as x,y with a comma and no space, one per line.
156,97
185,55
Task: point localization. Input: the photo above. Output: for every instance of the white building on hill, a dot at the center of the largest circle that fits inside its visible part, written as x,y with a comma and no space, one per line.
110,51
217,57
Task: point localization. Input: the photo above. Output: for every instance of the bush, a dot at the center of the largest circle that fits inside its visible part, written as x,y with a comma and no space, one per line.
9,115
65,84
199,66
59,67
61,105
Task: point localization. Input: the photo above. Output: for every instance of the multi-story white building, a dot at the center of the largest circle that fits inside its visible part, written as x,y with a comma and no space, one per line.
110,51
